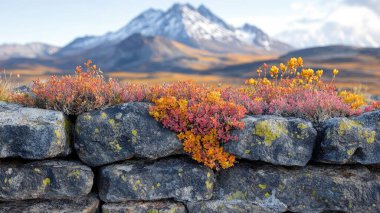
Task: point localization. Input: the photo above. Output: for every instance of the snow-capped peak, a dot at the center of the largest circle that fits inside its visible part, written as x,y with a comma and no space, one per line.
184,23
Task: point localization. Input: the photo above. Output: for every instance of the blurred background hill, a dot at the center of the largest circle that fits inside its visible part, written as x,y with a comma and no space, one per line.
188,40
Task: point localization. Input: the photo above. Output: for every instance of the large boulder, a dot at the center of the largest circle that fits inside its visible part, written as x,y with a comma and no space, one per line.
302,189
45,180
273,139
32,133
179,179
122,132
219,206
87,204
144,207
351,140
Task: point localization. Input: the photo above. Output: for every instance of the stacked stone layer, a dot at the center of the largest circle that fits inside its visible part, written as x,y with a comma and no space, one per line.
121,160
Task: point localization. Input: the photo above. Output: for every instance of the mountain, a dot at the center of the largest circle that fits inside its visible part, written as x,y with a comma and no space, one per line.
195,27
30,50
344,25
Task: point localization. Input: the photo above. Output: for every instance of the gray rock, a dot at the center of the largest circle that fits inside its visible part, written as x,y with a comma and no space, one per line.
351,140
144,207
220,206
180,179
44,180
87,204
305,189
32,133
276,140
122,132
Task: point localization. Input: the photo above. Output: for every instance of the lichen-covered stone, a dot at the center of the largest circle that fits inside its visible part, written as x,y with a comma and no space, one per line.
220,206
351,140
302,189
145,207
180,179
87,204
45,180
32,133
276,140
122,132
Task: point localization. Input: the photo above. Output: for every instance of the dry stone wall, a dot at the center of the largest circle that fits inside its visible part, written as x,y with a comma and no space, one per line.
121,160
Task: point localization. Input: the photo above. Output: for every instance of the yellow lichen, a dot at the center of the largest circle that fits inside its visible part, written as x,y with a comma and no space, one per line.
46,181
134,132
111,122
347,125
75,174
269,131
123,178
103,115
247,151
97,131
37,170
262,186
87,117
267,194
369,136
351,151
302,126
238,195
115,146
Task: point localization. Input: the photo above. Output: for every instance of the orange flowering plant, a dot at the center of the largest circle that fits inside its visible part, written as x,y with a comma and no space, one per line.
202,116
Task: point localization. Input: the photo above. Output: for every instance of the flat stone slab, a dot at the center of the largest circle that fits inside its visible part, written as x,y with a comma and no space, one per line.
32,133
306,189
219,206
351,140
122,132
276,140
88,204
144,207
44,180
179,179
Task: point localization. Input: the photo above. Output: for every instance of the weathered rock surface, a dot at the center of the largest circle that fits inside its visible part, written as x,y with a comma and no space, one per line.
44,180
32,133
351,140
276,140
307,189
219,206
88,204
144,207
180,179
122,132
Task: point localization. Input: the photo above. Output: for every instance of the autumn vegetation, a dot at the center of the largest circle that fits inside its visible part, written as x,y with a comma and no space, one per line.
201,115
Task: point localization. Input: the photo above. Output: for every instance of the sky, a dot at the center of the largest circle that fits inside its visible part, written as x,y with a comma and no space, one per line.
59,22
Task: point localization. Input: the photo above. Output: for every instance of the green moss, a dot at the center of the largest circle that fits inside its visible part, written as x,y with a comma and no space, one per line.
46,181
238,195
269,131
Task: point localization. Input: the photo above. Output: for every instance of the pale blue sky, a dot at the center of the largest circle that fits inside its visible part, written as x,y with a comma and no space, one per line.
58,22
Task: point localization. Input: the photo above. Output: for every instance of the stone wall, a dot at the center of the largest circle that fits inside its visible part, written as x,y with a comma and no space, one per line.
121,160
